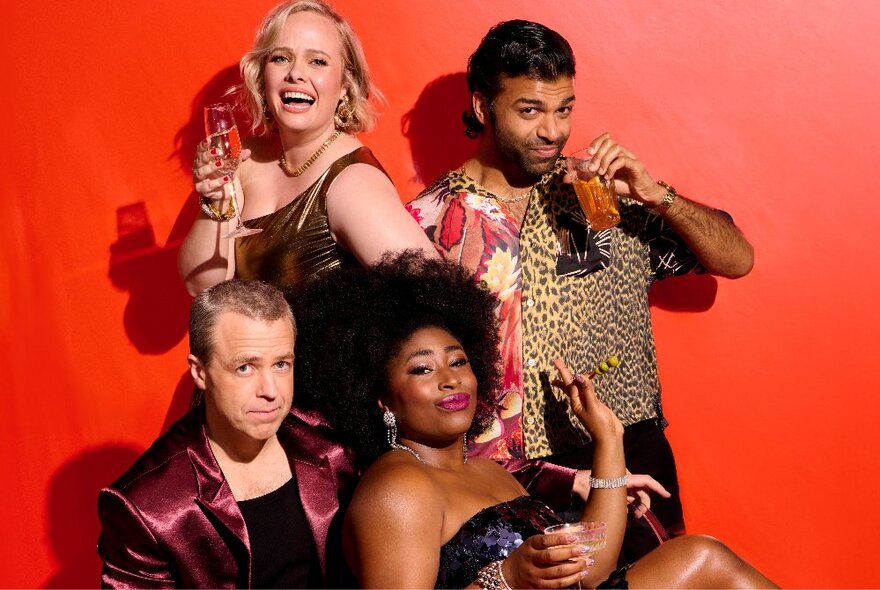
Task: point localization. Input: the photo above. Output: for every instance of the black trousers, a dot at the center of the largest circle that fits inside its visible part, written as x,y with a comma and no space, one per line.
647,450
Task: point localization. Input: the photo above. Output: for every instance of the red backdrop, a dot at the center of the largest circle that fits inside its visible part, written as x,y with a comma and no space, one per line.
766,109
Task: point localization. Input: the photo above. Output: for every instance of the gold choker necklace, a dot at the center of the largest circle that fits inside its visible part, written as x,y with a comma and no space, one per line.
505,200
283,161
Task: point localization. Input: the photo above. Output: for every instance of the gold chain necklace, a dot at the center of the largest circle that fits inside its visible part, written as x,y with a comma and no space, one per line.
505,200
286,167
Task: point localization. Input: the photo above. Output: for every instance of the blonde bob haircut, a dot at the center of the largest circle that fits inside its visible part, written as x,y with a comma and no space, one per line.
356,77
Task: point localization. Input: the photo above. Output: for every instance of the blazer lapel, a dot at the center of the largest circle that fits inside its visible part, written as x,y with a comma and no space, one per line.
216,499
324,470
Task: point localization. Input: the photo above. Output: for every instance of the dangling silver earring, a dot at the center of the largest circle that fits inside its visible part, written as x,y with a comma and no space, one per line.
391,425
464,447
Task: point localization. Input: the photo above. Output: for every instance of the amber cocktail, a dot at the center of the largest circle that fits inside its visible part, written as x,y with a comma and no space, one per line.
596,194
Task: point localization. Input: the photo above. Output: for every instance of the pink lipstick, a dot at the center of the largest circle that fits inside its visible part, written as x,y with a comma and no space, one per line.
455,402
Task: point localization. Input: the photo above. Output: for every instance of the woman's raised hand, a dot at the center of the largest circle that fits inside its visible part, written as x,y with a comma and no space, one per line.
596,417
208,180
547,561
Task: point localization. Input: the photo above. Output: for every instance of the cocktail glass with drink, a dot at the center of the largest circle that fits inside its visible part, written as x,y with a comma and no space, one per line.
596,194
590,534
223,137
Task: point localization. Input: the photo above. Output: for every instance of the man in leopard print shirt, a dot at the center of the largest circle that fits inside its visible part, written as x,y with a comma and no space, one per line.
565,290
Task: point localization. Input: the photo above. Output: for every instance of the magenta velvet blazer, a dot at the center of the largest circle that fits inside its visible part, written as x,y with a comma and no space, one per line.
171,521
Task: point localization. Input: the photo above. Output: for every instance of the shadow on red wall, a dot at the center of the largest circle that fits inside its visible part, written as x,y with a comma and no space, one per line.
72,525
71,505
434,128
155,317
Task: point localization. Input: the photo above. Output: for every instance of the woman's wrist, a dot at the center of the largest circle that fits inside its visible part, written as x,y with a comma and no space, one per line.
492,576
222,209
608,483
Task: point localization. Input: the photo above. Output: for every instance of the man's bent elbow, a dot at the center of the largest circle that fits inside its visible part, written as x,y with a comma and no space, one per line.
739,267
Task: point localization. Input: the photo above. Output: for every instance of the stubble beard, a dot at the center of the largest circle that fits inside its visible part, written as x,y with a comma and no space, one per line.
516,151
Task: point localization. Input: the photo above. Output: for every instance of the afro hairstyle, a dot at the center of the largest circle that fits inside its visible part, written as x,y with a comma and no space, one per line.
352,323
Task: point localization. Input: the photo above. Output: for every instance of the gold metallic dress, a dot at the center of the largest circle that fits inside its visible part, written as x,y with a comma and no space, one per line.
295,243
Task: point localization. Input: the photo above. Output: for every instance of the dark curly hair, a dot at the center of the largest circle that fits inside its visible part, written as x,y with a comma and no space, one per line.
352,323
514,48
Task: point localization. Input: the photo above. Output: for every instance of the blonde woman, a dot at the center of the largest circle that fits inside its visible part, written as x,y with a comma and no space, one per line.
319,195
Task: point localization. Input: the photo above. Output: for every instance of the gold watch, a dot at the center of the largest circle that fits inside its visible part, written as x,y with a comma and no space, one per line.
668,199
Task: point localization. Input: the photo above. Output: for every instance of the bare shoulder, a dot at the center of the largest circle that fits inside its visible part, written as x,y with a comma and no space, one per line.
366,216
361,183
392,532
395,484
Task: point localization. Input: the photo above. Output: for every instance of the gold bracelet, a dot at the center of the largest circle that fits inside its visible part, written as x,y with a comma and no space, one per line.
211,211
668,198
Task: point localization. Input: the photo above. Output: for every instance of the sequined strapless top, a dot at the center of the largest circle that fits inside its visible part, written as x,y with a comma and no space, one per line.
296,243
489,535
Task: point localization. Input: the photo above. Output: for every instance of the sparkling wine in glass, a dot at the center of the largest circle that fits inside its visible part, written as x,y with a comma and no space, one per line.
223,136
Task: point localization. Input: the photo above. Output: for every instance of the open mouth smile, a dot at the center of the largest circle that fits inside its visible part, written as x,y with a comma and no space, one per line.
297,98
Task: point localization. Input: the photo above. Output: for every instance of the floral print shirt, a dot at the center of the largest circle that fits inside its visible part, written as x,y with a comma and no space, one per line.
563,290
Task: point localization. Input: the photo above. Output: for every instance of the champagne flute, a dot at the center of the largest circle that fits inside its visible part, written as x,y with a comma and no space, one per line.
590,534
223,136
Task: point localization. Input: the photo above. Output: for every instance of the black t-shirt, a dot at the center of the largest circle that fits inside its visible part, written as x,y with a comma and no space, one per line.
282,548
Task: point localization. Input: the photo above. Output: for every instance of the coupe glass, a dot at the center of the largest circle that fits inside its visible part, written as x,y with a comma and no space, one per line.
590,534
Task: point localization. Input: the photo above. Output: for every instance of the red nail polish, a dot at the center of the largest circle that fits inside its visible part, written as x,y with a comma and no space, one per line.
218,163
225,179
213,151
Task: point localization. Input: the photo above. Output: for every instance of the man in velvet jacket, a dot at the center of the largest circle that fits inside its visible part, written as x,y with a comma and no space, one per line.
240,492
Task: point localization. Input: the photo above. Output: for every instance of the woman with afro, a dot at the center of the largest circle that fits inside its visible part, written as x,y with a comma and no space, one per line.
402,358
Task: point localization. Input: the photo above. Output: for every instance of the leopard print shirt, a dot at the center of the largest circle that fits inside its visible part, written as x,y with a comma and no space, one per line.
565,291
